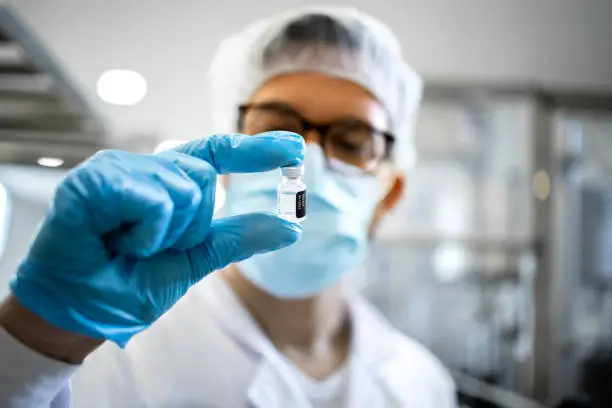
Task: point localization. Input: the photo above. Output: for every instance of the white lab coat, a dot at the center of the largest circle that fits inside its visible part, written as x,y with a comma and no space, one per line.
208,352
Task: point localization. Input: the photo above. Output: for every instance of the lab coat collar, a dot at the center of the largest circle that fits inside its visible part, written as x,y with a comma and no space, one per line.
376,373
227,309
271,387
372,369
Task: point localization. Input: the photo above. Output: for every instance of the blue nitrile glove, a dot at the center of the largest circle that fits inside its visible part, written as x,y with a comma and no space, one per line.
128,234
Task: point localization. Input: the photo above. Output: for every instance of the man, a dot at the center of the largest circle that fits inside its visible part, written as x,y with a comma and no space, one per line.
128,235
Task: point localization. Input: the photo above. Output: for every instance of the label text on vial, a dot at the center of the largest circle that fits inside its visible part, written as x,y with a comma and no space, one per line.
300,204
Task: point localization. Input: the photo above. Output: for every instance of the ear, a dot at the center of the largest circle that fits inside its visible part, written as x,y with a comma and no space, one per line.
224,180
397,183
394,194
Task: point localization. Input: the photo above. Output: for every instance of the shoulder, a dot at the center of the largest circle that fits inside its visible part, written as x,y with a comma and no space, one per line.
408,358
413,373
417,357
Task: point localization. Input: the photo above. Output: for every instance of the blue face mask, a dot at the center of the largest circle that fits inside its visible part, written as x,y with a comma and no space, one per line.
334,238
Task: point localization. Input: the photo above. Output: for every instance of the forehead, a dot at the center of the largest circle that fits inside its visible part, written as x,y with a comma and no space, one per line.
323,99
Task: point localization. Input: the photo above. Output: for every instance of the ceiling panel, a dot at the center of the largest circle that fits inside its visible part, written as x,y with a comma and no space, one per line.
42,113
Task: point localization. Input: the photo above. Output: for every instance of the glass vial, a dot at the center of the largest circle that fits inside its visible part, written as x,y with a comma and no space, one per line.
292,194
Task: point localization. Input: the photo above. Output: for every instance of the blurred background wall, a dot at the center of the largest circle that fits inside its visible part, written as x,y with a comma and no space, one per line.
498,258
560,43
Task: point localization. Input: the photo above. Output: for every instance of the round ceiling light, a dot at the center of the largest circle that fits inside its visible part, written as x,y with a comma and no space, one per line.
121,87
50,162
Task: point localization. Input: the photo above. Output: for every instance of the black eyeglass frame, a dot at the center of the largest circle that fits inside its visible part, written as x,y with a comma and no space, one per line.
322,130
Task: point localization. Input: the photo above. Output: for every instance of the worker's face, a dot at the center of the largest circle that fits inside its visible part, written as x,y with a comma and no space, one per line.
323,100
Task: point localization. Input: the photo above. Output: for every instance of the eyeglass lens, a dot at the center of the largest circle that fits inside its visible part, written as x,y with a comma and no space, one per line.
350,141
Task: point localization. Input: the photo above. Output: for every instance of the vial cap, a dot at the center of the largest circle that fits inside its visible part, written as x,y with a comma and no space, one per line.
292,171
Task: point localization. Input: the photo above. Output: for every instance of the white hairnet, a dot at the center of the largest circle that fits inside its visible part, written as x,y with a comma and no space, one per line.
338,41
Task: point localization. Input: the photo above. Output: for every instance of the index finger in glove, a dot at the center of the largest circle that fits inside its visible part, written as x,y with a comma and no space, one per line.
236,153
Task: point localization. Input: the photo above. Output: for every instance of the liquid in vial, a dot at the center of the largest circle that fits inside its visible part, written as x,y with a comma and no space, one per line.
292,194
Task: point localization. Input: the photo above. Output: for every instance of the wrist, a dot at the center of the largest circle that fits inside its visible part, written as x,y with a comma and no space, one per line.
41,336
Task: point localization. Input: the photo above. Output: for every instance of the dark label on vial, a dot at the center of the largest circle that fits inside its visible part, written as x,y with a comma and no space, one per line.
300,204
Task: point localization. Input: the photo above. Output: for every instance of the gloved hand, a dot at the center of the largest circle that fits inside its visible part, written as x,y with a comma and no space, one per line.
128,234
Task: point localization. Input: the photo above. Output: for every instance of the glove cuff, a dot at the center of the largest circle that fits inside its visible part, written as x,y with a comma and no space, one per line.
54,307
